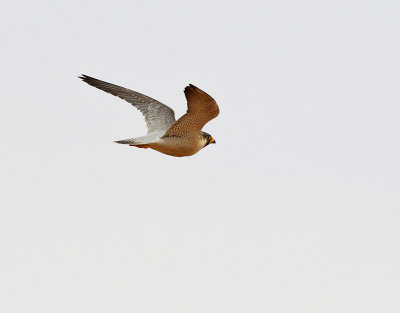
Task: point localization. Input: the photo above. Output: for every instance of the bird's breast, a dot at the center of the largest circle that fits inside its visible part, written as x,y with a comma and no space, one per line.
178,146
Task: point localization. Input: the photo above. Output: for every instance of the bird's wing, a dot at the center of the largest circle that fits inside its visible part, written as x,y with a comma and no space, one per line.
157,115
202,108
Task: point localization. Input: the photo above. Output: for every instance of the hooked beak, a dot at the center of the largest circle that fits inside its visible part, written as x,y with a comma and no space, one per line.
213,141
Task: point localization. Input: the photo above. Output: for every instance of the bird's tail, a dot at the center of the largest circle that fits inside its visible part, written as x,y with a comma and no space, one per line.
140,141
133,142
130,141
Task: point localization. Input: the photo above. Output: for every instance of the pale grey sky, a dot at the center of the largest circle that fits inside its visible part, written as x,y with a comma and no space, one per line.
295,209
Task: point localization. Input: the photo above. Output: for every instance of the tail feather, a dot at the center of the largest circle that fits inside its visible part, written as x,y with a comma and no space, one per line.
127,141
139,141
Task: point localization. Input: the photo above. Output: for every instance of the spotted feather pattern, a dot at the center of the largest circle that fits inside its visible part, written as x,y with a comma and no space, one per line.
202,108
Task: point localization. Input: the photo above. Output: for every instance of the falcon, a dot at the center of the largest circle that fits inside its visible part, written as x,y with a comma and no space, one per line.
164,134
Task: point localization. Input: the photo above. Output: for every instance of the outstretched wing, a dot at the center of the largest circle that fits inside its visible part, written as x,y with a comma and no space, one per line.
202,108
157,115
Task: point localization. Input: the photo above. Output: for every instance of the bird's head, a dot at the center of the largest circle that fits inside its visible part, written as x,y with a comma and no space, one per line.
207,138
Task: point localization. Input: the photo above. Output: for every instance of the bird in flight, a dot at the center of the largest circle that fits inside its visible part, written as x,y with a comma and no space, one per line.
164,134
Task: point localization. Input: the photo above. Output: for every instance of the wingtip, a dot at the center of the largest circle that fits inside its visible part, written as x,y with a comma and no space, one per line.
190,86
84,77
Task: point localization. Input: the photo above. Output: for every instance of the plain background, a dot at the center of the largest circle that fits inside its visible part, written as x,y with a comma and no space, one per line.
295,209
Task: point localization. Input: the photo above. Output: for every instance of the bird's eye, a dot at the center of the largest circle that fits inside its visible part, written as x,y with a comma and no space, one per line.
208,137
